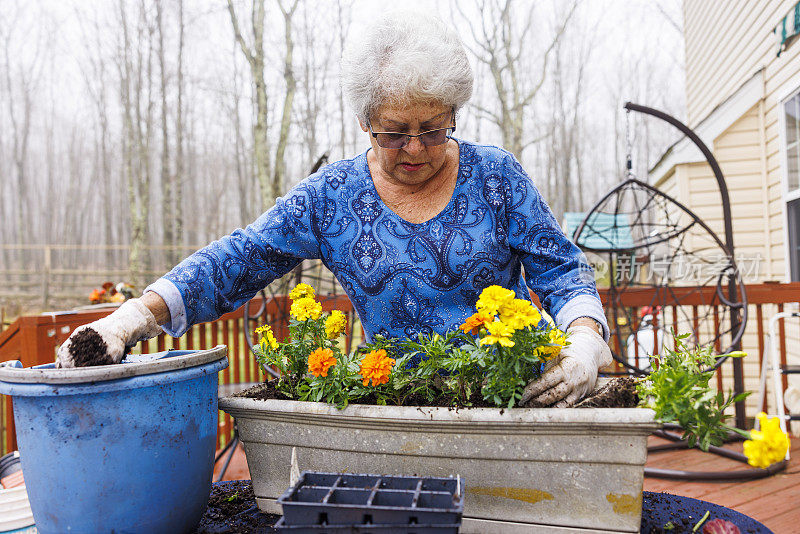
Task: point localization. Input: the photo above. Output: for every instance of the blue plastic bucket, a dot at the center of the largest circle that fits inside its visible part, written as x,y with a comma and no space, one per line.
125,448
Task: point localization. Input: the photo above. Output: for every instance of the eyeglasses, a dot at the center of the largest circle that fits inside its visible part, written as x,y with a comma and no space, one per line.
399,140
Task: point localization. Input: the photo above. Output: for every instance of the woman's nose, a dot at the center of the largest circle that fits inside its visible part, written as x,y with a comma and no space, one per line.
414,146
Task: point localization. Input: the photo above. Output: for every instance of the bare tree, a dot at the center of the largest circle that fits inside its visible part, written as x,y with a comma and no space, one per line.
501,42
255,58
178,177
95,72
279,173
167,184
316,53
135,73
20,81
342,27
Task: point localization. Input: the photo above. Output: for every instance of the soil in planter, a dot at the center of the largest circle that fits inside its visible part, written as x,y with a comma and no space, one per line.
232,508
620,392
267,391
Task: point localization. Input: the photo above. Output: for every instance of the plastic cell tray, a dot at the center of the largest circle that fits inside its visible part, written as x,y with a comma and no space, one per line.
323,502
283,528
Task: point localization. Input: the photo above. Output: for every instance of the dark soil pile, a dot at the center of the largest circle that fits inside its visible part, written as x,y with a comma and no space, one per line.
232,508
663,513
619,392
88,348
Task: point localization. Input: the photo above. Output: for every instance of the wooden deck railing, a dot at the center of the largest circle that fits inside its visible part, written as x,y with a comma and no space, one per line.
33,340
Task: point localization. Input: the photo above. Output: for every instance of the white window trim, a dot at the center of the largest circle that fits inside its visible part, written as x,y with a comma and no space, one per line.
787,92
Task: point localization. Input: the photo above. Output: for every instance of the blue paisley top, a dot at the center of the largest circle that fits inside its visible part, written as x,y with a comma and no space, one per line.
403,278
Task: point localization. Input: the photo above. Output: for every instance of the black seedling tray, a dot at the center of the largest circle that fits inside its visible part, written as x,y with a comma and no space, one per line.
283,528
331,499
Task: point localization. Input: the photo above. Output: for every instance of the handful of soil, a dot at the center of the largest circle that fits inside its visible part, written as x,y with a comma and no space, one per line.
88,348
619,392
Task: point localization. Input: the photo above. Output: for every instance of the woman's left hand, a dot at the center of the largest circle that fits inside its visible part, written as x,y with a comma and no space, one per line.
574,372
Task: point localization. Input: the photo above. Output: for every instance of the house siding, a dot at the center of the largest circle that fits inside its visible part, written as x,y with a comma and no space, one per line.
727,43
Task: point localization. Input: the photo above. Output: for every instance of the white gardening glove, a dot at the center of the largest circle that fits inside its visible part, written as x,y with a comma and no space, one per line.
103,342
570,376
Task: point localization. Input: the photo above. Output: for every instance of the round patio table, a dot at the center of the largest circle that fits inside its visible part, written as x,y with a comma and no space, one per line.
658,509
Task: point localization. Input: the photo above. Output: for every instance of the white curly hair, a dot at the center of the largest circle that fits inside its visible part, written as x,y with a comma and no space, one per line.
405,57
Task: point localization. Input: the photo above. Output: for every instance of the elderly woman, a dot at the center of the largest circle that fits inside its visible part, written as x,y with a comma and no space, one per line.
413,229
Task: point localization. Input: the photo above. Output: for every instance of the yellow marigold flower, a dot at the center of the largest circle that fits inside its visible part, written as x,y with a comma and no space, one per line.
519,313
335,324
268,340
376,366
301,291
320,361
476,321
499,332
557,340
306,308
492,299
768,445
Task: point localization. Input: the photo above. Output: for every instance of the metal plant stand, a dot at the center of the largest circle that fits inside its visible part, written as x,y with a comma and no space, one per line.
643,241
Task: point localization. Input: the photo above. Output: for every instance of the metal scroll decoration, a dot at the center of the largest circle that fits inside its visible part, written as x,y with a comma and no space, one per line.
643,242
666,270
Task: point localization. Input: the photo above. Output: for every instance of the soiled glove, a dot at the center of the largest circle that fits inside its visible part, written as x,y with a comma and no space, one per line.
103,342
572,375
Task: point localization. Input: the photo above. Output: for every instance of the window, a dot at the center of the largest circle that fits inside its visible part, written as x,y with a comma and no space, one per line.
791,110
793,218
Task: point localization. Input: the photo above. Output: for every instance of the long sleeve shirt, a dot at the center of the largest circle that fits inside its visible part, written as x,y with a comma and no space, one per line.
403,278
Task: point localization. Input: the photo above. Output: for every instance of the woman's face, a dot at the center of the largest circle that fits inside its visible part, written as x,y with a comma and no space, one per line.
415,163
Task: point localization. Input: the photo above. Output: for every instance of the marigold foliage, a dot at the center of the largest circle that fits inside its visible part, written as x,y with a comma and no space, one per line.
335,324
305,308
320,361
376,366
678,391
767,445
268,341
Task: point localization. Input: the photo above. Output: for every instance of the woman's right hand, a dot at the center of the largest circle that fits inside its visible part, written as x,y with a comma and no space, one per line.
104,341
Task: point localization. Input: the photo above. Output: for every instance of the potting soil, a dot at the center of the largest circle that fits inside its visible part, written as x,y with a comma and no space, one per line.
232,508
88,348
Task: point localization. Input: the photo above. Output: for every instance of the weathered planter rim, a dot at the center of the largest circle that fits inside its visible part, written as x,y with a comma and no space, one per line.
470,420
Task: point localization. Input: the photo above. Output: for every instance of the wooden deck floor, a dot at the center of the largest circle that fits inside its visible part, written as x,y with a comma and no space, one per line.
775,501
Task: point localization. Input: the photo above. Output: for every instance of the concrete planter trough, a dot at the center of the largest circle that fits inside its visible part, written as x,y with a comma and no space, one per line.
558,470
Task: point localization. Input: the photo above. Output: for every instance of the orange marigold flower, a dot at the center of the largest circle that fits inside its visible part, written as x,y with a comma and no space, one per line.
476,321
320,361
376,366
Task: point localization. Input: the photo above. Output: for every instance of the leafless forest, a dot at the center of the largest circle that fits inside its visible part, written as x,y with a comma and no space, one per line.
134,131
